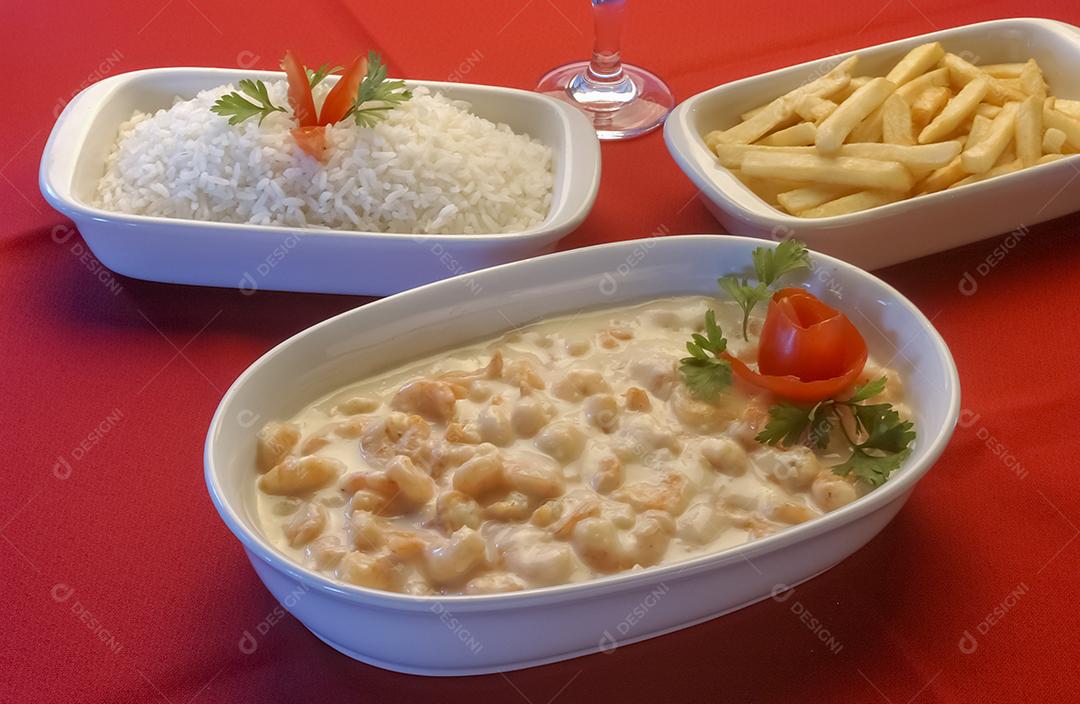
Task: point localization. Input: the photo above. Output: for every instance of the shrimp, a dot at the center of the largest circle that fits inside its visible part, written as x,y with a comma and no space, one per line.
432,400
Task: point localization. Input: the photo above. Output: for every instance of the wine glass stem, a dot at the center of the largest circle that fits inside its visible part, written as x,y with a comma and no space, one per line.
605,67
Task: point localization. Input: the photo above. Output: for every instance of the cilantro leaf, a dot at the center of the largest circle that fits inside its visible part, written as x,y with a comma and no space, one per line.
705,372
772,263
769,265
867,390
745,295
386,95
238,108
316,77
886,438
888,442
888,433
787,423
872,469
705,378
869,415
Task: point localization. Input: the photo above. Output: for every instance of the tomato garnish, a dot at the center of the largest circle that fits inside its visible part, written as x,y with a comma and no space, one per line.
807,351
300,99
312,139
342,96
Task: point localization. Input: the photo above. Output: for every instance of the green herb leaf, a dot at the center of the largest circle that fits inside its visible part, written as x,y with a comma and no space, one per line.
238,108
787,423
376,95
872,469
745,295
886,432
867,390
705,373
886,439
772,263
705,378
769,265
316,77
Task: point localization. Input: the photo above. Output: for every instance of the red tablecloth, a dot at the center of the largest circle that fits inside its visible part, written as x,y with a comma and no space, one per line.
120,583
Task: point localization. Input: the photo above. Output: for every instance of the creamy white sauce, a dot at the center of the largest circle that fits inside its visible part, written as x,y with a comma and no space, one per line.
634,352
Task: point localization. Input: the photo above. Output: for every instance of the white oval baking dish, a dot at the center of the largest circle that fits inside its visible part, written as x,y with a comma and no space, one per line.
475,634
252,257
910,228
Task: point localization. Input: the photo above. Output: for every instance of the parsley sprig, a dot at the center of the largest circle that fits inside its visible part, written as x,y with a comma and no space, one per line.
316,77
881,440
769,265
705,372
238,108
376,95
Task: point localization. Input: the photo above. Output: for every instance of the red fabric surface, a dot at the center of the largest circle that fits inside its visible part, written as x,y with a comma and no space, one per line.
123,537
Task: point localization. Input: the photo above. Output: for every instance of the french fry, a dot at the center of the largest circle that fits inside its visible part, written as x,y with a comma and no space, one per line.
766,188
928,104
963,72
979,126
731,156
1000,170
942,178
1029,130
1003,70
798,135
1007,157
835,128
1066,123
1069,107
981,156
783,108
862,200
750,113
853,85
840,143
799,199
814,108
870,129
911,90
896,121
917,62
955,111
918,156
840,171
1031,79
1053,140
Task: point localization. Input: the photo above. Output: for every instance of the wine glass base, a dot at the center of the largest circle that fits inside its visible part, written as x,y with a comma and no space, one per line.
634,106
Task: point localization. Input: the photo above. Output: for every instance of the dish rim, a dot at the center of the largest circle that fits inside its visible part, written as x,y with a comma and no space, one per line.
258,547
684,141
572,125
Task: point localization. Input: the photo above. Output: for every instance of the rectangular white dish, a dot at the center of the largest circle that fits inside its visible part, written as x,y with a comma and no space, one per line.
439,635
909,228
253,257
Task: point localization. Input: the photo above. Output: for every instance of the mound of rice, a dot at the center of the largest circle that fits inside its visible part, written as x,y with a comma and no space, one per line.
431,167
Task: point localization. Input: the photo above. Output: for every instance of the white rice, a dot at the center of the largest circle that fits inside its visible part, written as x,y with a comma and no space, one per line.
431,167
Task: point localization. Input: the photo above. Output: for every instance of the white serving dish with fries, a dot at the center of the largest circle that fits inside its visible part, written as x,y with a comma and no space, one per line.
895,230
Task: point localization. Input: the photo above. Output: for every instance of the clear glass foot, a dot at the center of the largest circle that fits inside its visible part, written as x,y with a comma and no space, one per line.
629,103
